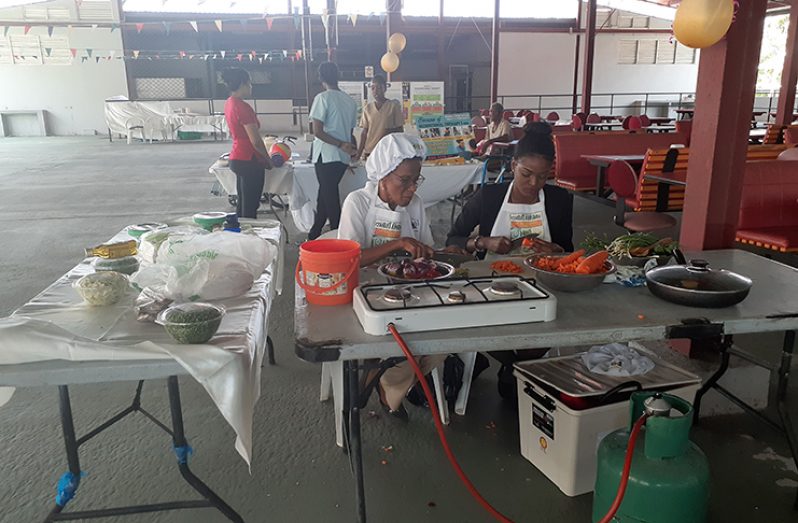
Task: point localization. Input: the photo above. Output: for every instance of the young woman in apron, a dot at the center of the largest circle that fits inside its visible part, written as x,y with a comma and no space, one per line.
386,217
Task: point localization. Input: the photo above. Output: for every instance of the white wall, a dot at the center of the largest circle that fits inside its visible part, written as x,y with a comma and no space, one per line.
72,95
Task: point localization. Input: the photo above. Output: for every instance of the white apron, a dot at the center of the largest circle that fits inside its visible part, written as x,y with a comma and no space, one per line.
385,225
517,220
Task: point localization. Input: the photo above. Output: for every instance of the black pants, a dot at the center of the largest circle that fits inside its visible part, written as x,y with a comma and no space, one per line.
250,176
328,205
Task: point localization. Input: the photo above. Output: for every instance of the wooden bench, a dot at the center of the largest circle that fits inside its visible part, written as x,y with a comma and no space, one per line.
769,206
666,161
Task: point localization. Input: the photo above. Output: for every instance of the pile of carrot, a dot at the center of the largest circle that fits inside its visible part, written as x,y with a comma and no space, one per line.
574,263
506,266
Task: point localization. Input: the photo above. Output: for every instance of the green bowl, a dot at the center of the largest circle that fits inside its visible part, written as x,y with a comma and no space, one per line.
207,220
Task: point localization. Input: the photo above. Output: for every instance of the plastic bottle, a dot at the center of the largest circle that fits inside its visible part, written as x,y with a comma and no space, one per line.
112,251
231,223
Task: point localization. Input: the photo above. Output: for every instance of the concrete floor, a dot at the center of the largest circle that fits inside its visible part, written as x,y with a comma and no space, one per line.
58,195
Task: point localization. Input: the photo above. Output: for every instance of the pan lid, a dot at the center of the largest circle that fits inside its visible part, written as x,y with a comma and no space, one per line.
698,277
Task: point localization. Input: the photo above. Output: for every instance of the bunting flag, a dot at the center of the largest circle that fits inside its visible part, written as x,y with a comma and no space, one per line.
382,18
74,52
260,60
218,25
194,26
206,57
26,29
325,20
139,27
232,5
83,59
5,31
78,3
252,55
222,53
50,31
136,55
94,26
297,21
239,57
88,52
97,59
167,27
182,54
48,50
111,54
269,22
353,19
114,27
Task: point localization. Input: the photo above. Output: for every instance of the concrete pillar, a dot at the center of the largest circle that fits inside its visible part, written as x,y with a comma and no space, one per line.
590,46
724,102
789,74
331,31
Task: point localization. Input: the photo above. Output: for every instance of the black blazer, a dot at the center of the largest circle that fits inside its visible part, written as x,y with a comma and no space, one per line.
483,208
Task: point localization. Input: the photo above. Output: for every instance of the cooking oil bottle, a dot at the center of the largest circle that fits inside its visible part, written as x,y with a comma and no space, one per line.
111,251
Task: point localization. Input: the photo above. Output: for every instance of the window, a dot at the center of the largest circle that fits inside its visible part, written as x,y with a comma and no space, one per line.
627,52
646,51
421,8
660,52
538,8
35,50
684,55
665,52
272,7
362,7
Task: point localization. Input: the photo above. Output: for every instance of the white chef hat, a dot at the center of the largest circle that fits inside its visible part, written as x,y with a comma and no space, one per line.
392,150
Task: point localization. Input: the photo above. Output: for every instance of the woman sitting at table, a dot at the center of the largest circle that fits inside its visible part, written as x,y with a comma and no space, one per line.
387,217
525,207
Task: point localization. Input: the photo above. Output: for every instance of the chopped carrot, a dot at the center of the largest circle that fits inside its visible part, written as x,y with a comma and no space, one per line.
593,263
506,266
565,260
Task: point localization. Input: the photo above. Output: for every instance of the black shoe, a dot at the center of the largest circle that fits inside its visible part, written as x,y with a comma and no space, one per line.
400,413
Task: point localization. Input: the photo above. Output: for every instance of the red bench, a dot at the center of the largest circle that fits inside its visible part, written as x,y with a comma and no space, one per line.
574,173
769,206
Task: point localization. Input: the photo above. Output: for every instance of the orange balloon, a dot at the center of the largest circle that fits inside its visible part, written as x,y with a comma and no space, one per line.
702,23
389,62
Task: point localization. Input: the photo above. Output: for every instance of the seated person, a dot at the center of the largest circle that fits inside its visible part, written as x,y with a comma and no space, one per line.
387,217
527,206
498,130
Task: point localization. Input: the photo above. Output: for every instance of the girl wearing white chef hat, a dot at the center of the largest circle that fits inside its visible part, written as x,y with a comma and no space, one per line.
387,216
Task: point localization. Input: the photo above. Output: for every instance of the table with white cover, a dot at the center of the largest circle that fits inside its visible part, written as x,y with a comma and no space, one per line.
610,313
56,340
440,183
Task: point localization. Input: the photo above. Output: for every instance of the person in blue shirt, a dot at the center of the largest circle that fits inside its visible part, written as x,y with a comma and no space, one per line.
334,116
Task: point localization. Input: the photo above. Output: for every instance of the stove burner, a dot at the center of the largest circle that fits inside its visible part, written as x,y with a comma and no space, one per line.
456,297
397,295
504,288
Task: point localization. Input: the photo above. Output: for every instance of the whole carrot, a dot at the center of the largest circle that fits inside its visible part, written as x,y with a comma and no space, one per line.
593,263
565,260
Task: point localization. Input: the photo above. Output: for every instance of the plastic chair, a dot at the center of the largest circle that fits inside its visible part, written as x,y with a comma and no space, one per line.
134,123
478,121
645,121
508,114
685,128
593,118
553,116
578,121
789,155
484,112
622,179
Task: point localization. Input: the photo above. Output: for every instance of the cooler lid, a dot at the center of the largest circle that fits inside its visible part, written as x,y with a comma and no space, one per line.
569,375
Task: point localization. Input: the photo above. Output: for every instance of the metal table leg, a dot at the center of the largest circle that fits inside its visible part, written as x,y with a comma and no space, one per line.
70,481
663,196
352,411
781,398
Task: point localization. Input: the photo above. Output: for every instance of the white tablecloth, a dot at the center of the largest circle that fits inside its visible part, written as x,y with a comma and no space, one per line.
278,180
440,182
56,325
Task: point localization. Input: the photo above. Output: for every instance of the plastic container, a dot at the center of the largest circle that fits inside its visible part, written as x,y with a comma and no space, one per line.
127,265
328,271
207,220
102,288
191,322
137,230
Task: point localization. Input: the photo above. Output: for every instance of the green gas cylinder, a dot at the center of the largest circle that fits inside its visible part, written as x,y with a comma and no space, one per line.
669,477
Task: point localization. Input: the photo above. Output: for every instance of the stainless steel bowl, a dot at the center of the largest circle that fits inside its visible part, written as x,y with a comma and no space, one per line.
696,285
446,269
558,281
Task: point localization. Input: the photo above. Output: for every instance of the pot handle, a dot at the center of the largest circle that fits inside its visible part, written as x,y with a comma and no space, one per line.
618,388
679,255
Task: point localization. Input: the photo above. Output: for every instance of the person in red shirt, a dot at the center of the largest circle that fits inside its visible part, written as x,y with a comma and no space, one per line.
249,158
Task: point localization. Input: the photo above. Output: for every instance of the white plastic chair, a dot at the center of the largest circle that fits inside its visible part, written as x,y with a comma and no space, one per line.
131,124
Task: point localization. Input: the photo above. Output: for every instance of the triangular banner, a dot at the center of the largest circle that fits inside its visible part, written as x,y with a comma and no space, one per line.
114,27
239,57
136,54
50,31
269,22
48,50
223,53
353,19
97,59
88,52
206,57
167,27
194,26
83,59
297,21
139,27
382,18
5,31
218,25
94,26
325,20
181,54
74,52
26,29
111,54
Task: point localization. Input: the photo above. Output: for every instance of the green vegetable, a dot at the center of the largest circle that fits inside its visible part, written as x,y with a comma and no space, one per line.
196,326
640,244
592,243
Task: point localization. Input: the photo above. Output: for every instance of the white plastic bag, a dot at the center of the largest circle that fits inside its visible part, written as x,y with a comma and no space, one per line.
213,266
616,359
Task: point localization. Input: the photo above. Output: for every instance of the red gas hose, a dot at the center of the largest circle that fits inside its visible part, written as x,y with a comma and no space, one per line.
627,466
498,516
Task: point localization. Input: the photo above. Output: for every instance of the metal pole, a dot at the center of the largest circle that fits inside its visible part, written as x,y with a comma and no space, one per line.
494,61
575,101
590,45
355,444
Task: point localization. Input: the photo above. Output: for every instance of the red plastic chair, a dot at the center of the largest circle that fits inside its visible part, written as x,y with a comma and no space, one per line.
507,115
478,121
593,118
522,112
578,121
485,113
553,116
645,121
622,179
532,117
632,123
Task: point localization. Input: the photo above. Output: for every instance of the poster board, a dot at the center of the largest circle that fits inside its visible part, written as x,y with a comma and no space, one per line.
445,135
426,99
356,91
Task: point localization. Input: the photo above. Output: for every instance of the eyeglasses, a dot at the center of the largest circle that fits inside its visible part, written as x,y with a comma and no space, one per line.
406,183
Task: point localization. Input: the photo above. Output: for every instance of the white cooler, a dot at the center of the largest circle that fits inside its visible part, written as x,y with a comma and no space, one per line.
562,441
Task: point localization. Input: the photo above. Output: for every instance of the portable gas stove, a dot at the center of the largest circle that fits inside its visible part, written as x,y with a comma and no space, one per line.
452,304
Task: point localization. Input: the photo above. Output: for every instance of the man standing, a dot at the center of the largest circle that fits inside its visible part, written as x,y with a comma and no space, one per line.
380,118
334,116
